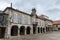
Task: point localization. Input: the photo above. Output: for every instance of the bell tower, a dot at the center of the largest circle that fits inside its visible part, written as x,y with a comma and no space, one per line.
33,12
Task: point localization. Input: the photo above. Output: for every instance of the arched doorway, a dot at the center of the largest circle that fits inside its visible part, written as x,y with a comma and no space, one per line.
41,29
38,30
34,30
2,32
46,29
22,30
28,30
14,30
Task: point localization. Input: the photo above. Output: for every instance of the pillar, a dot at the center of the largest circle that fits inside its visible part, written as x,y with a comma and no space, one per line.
18,31
25,31
8,32
31,30
45,30
40,30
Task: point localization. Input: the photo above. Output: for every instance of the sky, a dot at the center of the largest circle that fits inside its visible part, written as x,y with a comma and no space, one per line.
51,8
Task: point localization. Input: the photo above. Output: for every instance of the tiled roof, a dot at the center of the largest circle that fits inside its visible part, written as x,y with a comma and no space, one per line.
56,22
43,18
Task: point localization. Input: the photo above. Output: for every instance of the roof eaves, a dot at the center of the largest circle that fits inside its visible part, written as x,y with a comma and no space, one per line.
16,10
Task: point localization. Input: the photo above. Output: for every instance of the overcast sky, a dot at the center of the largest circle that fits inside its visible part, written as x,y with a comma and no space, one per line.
50,8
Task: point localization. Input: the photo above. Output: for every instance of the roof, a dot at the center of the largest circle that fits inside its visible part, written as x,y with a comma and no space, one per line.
19,11
43,18
40,17
16,10
2,13
56,22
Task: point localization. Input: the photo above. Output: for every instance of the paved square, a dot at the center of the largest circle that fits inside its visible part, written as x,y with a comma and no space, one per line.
51,36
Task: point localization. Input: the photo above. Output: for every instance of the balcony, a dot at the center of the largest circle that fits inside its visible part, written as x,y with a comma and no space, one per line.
35,23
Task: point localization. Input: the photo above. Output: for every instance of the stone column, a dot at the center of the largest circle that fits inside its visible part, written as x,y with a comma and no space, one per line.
45,29
40,29
18,31
25,31
31,30
8,32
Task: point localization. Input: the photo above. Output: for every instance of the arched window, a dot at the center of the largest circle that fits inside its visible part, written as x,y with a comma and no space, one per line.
22,30
14,30
38,30
28,30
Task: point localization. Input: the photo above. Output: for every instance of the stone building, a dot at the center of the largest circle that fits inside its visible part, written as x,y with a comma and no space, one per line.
56,25
21,24
48,23
3,24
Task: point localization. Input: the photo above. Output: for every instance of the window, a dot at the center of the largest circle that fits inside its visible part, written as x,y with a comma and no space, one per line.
28,20
22,19
3,21
19,18
38,21
15,18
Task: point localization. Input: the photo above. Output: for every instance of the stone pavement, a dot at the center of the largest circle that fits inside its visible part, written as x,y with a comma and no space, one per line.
55,35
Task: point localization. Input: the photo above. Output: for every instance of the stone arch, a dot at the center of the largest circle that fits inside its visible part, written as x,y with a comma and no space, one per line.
34,30
22,30
2,32
38,30
41,29
28,30
14,30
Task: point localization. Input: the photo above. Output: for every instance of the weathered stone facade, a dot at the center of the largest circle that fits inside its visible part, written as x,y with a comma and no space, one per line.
3,24
24,26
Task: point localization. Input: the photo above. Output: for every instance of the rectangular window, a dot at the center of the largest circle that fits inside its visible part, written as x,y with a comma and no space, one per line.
15,18
19,18
29,20
22,19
